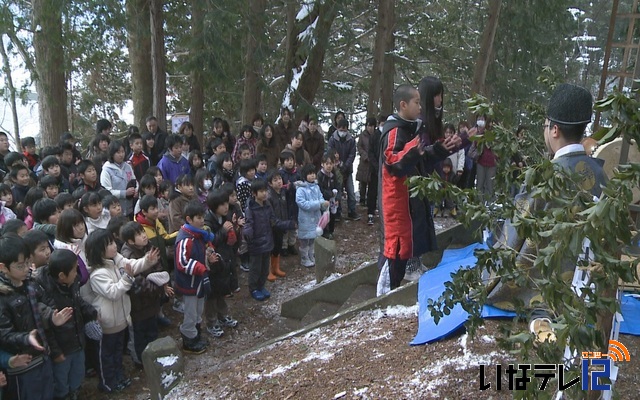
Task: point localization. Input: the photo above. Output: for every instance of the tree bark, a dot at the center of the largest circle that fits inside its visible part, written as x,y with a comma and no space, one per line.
196,113
252,101
384,36
302,98
291,40
6,67
486,48
51,84
139,46
158,64
389,68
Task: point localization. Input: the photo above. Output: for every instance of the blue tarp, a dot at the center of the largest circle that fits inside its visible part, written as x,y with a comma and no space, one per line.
431,286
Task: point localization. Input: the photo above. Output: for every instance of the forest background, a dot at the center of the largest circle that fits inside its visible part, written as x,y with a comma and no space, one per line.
232,58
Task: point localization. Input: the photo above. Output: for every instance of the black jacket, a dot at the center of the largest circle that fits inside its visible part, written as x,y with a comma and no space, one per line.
223,243
70,336
16,317
146,297
278,203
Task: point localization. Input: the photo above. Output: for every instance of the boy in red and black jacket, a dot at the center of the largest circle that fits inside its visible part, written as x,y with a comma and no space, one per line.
193,252
139,161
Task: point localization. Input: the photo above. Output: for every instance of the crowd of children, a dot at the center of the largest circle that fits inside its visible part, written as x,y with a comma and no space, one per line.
91,248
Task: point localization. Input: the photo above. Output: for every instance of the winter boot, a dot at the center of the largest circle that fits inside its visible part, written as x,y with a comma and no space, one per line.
311,254
200,337
275,260
304,254
272,269
193,346
292,250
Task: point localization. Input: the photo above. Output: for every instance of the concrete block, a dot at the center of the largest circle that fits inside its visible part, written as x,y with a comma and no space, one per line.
326,253
163,365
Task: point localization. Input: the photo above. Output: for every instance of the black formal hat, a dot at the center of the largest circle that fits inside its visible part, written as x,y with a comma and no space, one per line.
570,105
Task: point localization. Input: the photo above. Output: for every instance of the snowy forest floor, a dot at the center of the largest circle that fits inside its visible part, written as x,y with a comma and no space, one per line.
365,357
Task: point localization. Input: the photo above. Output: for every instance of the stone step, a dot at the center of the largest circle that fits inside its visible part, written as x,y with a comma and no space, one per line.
359,295
319,311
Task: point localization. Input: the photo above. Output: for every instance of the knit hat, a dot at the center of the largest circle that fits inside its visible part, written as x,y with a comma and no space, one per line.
158,278
93,330
570,105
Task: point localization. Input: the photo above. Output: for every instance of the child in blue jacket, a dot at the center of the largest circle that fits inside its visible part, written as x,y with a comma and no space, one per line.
310,206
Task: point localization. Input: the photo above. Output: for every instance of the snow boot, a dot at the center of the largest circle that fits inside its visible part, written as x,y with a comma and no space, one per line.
193,346
272,275
311,254
200,337
275,263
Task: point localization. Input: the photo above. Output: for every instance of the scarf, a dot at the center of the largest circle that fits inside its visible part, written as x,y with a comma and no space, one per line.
207,236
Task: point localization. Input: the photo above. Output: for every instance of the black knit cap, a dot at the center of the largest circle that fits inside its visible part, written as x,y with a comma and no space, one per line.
570,105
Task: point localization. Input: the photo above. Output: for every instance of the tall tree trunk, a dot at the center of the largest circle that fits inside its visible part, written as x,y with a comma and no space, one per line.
389,68
291,40
158,64
252,101
384,35
51,84
303,95
139,46
486,48
6,67
196,113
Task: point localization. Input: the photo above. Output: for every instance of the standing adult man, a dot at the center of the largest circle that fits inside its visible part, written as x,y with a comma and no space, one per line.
159,138
4,150
568,114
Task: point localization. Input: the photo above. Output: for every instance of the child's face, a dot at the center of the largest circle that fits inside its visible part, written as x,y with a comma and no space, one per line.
276,183
52,191
151,214
67,206
247,134
165,194
257,123
448,133
176,150
261,195
115,210
327,166
150,143
197,221
197,162
30,149
233,198
296,142
220,149
313,126
67,157
268,133
136,146
288,163
188,190
262,167
16,271
223,209
7,198
159,178
40,255
336,157
54,171
411,109
446,169
22,178
311,177
188,131
245,155
251,174
227,164
93,210
90,175
53,219
141,240
185,148
22,230
103,145
118,157
111,251
218,129
149,190
70,278
79,230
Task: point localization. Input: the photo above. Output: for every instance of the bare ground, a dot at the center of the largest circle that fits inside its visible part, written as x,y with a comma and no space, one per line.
364,357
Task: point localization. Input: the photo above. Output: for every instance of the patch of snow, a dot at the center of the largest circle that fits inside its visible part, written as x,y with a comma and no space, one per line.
360,392
308,34
168,360
168,379
487,339
305,10
295,81
339,85
281,369
396,311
